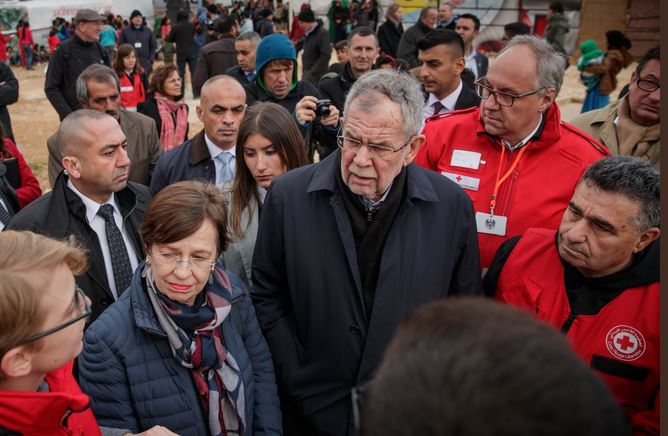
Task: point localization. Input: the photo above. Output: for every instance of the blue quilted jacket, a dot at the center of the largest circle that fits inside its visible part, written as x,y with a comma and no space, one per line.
128,369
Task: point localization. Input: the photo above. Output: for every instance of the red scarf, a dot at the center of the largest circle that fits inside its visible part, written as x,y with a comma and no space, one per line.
172,135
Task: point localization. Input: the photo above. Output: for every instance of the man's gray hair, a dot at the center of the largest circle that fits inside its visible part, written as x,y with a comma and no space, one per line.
253,37
551,64
634,178
74,130
98,73
398,87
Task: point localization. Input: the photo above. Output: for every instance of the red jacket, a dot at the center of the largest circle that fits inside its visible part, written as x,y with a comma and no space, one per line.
534,195
620,342
132,92
42,413
29,189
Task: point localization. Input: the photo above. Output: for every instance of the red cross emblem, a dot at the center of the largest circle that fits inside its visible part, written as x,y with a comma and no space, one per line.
458,178
625,342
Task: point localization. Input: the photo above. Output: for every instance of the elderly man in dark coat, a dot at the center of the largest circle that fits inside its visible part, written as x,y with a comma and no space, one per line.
346,248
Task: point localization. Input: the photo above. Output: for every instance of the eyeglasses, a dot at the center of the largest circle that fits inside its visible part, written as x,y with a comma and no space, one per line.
85,313
353,145
648,85
172,260
502,98
356,397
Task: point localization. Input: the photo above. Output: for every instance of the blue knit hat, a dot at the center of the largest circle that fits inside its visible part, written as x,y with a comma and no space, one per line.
273,47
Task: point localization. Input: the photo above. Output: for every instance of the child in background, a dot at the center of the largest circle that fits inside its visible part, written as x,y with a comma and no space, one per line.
591,58
53,40
132,77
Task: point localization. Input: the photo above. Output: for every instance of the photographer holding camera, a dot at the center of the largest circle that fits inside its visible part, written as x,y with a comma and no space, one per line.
276,81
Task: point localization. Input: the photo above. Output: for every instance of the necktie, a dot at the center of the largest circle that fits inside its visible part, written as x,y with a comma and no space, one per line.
250,77
4,214
226,173
438,107
120,261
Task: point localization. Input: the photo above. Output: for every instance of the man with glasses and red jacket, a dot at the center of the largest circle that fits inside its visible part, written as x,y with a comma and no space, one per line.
514,157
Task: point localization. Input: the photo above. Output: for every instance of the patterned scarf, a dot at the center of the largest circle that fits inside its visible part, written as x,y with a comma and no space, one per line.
172,135
195,337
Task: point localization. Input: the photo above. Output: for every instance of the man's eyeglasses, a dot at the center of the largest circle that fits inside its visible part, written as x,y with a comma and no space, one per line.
647,85
172,260
82,301
502,98
353,145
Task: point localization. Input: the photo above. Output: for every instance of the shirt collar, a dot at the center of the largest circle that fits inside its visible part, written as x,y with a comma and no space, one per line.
262,193
526,139
214,150
92,206
448,102
375,204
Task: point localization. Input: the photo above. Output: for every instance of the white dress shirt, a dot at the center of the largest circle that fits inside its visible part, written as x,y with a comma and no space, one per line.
97,223
469,62
214,151
448,102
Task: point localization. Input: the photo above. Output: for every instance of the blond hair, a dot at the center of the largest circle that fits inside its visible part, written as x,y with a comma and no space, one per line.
27,258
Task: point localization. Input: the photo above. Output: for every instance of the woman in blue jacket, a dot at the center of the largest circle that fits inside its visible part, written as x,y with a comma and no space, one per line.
182,347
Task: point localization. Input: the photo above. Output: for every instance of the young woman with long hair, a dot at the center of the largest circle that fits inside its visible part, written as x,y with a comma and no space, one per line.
268,145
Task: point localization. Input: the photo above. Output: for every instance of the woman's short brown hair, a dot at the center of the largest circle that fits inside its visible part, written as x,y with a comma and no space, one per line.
26,263
179,210
159,76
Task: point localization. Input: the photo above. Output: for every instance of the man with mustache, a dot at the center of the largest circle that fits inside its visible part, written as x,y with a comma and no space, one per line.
209,155
98,88
597,280
630,125
93,202
514,157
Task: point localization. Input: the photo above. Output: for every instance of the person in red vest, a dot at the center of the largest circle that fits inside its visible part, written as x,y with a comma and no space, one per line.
42,318
597,280
513,155
132,77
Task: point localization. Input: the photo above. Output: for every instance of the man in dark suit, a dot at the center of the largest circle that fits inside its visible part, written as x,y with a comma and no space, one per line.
94,202
441,57
468,27
245,47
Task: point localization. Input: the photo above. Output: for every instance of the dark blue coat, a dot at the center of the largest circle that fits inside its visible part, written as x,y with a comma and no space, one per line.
307,287
189,161
128,369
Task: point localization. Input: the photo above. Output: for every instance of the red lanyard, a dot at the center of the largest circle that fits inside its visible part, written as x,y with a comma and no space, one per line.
499,181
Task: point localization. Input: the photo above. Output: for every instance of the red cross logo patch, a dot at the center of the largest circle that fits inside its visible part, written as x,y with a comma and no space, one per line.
625,343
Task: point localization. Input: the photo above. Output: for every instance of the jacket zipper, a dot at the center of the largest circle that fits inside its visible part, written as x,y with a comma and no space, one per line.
568,323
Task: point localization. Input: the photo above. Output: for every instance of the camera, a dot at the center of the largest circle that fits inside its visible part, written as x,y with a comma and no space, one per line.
322,107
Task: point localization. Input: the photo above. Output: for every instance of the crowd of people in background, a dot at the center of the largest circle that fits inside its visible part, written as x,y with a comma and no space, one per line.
292,267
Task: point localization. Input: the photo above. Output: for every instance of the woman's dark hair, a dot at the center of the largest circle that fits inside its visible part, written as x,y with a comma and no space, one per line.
124,51
158,78
617,39
274,123
179,210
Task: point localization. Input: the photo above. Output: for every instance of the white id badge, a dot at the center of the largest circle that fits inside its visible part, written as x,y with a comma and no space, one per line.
137,44
465,159
491,224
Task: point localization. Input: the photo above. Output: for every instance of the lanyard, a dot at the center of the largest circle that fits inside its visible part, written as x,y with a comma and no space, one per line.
502,179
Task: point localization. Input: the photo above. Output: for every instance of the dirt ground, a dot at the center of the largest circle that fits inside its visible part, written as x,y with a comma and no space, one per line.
34,119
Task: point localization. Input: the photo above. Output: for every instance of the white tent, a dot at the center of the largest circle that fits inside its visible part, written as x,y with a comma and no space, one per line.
40,13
